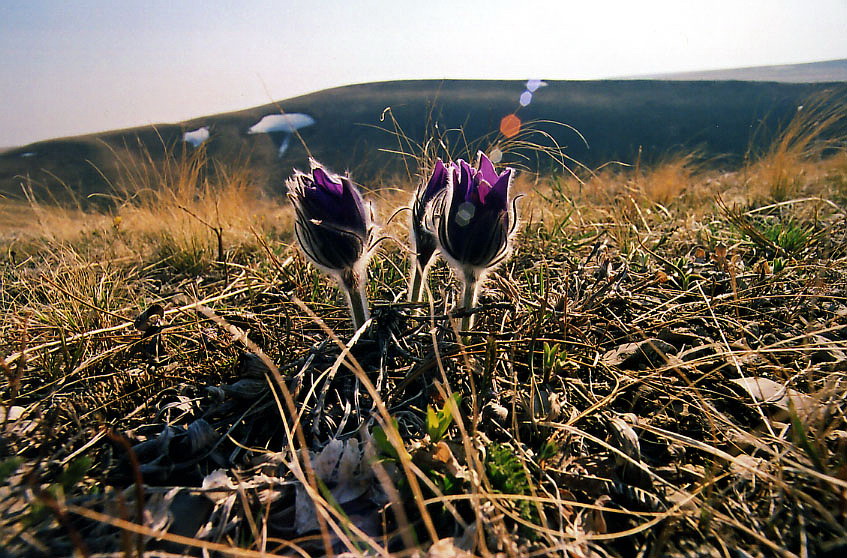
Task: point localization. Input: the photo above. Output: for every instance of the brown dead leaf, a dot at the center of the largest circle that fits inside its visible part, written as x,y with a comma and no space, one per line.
767,391
442,453
629,355
598,522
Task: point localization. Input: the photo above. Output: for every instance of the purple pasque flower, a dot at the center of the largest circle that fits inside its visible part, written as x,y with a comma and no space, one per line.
474,223
334,227
424,243
332,224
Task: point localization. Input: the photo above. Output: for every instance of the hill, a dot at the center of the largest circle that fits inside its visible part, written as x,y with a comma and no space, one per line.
617,118
812,72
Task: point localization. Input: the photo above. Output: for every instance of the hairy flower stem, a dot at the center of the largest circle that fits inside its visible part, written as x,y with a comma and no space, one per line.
417,282
357,299
469,294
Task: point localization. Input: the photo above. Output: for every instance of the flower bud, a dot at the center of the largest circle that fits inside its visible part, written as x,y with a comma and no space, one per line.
334,228
424,243
333,224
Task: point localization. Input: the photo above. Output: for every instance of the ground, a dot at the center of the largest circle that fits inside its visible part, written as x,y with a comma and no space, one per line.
658,370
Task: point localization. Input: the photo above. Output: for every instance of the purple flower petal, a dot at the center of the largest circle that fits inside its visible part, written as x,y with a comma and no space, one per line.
353,212
437,182
323,180
462,181
483,190
423,241
501,187
486,168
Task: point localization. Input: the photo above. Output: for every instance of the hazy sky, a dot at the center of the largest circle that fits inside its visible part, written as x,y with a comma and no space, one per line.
74,66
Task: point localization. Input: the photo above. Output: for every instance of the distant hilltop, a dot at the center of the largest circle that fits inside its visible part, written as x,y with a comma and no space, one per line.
350,128
812,72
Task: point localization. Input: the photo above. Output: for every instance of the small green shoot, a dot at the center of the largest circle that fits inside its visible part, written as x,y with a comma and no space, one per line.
553,362
507,475
789,235
548,451
437,422
801,438
74,473
681,273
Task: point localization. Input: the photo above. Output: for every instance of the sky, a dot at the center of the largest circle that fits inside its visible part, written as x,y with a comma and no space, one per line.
71,67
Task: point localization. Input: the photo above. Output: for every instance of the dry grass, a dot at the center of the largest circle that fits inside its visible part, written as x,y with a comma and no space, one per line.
669,180
817,129
185,213
602,411
27,221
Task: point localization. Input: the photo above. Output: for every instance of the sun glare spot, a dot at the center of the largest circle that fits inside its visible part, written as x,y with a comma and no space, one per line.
465,213
526,98
533,84
495,156
510,126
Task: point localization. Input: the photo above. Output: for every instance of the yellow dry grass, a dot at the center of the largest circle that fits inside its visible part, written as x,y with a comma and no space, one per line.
21,221
815,133
668,180
184,208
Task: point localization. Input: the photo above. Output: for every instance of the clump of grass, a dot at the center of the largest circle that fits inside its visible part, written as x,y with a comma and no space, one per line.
817,130
181,210
210,210
668,180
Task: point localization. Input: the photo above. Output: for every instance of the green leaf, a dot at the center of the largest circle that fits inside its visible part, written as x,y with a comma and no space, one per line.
446,483
9,466
550,449
437,422
505,470
432,425
383,444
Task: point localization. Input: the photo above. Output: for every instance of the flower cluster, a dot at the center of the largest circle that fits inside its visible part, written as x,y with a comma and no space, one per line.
462,212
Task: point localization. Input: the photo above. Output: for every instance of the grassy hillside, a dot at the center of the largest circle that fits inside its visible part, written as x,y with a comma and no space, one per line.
615,118
657,370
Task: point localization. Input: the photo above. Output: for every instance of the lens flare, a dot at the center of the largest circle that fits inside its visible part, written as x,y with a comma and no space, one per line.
510,126
465,213
533,85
